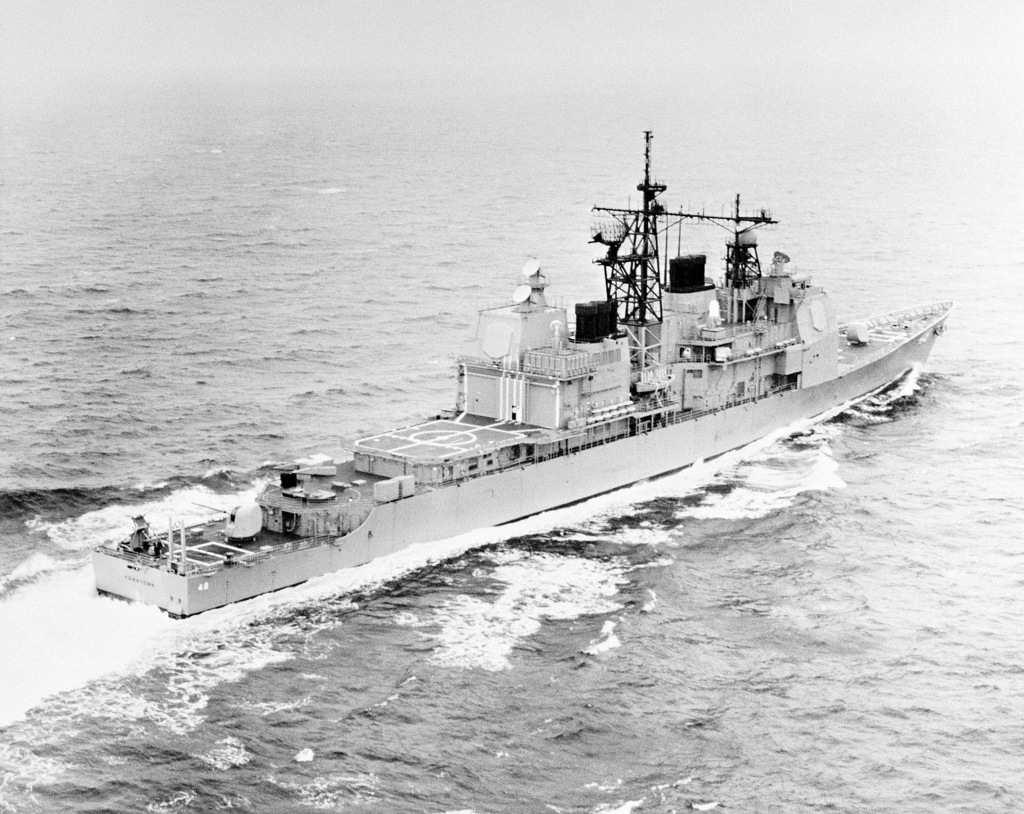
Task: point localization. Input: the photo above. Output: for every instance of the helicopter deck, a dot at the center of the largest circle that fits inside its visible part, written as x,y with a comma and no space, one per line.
444,439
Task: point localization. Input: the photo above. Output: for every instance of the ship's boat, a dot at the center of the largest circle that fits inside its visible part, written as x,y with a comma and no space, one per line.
551,408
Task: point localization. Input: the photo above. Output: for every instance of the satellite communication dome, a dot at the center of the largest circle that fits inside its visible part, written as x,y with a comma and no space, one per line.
521,294
244,522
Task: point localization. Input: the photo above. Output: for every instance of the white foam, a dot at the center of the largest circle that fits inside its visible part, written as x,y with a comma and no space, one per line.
266,708
57,634
145,487
21,770
331,792
910,384
651,603
643,536
114,523
229,754
332,190
477,633
663,561
621,808
63,645
304,756
27,569
873,405
181,800
217,471
407,619
605,642
765,489
86,637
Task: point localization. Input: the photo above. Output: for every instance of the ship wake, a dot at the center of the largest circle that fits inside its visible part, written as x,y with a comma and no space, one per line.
91,643
888,404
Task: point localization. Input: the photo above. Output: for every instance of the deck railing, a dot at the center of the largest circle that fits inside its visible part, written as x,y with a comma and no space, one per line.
894,317
193,569
638,425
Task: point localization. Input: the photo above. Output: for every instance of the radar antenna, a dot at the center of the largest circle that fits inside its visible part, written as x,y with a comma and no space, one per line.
632,273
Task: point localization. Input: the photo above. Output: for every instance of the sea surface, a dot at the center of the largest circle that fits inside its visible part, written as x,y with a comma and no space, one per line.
197,282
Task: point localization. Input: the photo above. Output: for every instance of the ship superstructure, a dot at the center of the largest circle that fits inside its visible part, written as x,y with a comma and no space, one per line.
550,409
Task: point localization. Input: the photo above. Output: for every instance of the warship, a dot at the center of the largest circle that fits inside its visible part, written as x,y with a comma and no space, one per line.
669,369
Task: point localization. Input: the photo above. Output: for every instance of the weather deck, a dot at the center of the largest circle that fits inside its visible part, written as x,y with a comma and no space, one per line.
444,439
885,331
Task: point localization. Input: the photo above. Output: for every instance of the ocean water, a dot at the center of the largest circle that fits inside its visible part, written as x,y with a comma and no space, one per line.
199,281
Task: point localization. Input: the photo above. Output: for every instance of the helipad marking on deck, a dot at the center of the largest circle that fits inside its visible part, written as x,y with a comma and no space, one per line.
438,438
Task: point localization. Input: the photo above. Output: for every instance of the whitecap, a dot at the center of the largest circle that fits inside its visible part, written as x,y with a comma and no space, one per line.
407,619
304,756
479,633
229,754
265,708
622,808
769,484
331,792
112,523
910,384
606,786
21,771
643,536
605,642
183,799
32,566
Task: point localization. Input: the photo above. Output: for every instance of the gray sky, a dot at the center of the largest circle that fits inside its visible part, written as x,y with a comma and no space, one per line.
399,46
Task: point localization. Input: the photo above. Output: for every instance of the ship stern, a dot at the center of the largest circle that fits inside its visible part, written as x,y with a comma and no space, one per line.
136,579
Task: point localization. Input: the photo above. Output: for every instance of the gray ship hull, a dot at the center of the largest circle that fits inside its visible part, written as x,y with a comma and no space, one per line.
443,512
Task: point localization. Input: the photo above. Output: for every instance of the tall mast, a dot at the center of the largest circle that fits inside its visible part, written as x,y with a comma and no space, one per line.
632,267
632,272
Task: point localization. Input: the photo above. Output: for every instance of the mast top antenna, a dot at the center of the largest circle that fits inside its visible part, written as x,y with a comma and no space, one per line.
648,134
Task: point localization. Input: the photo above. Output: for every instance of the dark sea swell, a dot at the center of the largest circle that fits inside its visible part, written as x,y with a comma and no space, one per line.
70,501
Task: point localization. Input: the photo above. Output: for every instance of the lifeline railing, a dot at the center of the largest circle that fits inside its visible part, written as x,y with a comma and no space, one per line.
243,560
894,317
564,446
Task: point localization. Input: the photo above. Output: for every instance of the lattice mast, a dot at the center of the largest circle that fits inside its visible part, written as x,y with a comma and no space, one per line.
633,272
632,268
742,265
